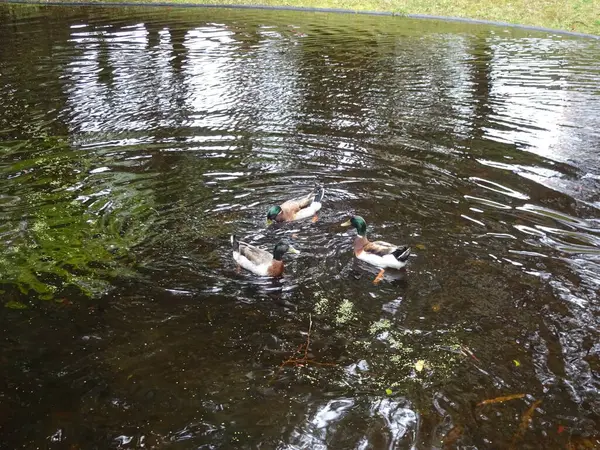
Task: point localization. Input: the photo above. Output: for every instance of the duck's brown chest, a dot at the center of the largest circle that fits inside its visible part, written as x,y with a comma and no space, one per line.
276,269
359,245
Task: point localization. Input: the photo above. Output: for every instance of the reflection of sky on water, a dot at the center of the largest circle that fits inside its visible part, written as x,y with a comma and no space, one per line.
208,71
540,106
109,90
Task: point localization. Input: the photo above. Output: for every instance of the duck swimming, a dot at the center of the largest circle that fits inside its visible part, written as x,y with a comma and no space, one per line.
298,208
378,253
258,261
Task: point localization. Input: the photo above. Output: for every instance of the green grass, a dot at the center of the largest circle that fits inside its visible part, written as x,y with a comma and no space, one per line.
572,15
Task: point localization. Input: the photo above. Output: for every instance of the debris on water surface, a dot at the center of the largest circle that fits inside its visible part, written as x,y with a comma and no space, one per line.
419,365
302,350
464,350
345,312
321,306
583,443
452,436
380,325
525,420
502,399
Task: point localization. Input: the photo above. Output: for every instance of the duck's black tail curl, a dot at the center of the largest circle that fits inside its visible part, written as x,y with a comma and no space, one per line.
401,253
319,193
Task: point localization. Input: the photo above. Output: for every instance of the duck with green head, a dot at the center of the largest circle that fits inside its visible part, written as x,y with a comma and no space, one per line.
259,261
297,208
378,253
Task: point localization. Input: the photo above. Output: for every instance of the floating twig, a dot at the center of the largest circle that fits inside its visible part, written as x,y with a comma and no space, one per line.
303,361
525,420
465,351
452,436
500,399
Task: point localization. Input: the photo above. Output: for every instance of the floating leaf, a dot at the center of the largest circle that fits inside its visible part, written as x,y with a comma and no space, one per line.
15,305
435,308
501,399
561,428
388,391
517,363
420,246
419,365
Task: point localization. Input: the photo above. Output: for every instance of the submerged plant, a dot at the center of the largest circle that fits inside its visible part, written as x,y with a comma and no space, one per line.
66,238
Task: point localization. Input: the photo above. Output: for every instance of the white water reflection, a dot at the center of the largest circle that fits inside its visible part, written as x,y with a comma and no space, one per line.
387,423
398,420
209,74
321,425
555,128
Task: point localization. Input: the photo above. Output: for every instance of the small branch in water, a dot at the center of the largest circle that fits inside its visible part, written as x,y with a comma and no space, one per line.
452,436
308,336
465,351
303,361
500,399
525,420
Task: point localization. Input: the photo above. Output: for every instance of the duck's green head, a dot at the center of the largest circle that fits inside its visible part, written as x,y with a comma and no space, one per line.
281,249
358,223
272,214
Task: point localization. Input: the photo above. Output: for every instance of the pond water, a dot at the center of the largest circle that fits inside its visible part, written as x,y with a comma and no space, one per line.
134,141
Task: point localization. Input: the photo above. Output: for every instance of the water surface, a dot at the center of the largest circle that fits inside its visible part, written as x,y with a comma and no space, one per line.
134,141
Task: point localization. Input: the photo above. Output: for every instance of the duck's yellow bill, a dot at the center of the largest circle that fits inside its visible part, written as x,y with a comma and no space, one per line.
346,224
292,250
269,222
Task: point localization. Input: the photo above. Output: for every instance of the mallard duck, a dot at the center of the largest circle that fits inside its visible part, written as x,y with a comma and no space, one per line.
298,208
259,261
377,253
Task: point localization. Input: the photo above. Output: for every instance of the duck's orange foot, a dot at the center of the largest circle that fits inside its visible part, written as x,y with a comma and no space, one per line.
315,218
238,269
379,277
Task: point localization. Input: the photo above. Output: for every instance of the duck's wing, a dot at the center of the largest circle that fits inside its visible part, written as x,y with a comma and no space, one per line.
381,248
296,204
254,254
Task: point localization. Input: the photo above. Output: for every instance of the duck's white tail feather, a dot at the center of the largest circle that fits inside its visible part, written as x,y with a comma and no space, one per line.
309,211
386,261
